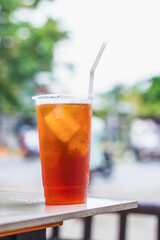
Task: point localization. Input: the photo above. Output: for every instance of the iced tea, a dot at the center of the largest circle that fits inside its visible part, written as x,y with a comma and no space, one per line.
64,138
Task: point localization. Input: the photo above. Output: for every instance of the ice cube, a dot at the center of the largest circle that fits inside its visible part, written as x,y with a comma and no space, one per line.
80,142
62,123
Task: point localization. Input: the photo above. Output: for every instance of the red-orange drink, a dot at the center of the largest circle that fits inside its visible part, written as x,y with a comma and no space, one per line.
64,128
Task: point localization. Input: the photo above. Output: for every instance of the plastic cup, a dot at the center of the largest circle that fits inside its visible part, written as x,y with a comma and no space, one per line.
64,128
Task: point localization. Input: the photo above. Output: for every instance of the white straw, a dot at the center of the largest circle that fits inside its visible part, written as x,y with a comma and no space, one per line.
93,68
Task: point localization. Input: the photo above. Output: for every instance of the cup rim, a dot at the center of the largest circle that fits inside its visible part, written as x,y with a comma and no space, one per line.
63,99
60,96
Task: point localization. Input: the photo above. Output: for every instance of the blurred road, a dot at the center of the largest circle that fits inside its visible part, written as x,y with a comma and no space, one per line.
20,175
129,180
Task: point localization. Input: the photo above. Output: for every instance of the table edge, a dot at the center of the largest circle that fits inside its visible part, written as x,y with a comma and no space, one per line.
44,220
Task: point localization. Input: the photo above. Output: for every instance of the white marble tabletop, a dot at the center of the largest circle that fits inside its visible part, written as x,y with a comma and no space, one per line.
27,210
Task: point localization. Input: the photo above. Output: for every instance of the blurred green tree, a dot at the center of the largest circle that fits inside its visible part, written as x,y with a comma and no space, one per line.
108,102
145,95
24,51
152,93
150,99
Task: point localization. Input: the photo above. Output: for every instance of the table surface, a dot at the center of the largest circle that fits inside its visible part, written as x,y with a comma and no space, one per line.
25,210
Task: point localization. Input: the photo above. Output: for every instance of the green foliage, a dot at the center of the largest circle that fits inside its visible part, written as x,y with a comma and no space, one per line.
101,113
108,102
117,92
152,94
150,99
24,51
142,100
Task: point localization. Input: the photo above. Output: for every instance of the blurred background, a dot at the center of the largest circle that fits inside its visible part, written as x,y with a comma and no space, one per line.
49,47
